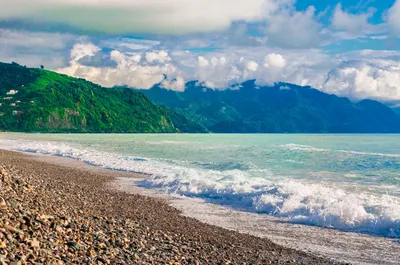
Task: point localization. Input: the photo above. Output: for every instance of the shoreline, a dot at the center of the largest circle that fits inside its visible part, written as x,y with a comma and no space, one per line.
341,246
345,247
161,234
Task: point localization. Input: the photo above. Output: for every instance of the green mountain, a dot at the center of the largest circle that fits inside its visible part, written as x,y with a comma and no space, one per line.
36,100
282,108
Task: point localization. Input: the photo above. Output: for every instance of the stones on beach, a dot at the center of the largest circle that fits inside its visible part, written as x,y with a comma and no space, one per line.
74,245
55,216
3,205
35,244
11,229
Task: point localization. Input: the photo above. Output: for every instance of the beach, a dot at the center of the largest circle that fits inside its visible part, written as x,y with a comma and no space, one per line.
59,211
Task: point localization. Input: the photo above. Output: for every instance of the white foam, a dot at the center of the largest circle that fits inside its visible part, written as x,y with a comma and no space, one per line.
301,147
346,247
308,148
298,201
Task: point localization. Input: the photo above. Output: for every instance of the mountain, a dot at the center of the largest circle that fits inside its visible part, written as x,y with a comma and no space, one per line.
282,108
36,100
394,105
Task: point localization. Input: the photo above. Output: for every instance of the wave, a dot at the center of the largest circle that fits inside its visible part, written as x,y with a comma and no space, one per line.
301,147
225,166
370,154
308,148
297,201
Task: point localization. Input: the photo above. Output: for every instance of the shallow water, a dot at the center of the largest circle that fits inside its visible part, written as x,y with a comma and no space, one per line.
346,182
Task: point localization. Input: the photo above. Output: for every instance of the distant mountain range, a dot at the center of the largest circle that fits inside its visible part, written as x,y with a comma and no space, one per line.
282,108
36,100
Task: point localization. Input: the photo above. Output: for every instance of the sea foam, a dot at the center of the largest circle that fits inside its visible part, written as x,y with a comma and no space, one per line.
299,201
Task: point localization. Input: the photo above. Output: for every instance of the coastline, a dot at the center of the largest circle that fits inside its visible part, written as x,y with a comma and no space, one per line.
80,194
341,246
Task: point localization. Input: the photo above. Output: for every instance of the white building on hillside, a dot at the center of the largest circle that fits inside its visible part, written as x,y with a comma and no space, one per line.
12,92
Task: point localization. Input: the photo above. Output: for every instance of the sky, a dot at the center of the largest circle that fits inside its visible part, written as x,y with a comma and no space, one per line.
349,48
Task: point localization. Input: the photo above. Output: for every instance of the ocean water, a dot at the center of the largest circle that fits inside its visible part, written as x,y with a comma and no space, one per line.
345,182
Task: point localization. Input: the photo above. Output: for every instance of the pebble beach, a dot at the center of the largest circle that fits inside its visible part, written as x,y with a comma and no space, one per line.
54,212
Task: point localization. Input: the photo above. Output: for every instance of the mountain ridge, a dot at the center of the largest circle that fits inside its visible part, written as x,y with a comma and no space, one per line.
281,108
37,100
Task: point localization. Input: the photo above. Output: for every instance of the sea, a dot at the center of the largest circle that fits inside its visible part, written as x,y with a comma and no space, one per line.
348,183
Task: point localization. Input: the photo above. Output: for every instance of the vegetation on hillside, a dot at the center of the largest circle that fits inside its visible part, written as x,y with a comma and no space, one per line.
36,100
282,108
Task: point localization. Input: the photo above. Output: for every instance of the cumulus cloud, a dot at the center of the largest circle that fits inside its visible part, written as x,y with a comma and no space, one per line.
274,60
378,79
126,16
134,70
394,18
354,23
202,61
176,84
252,66
232,68
223,71
160,57
286,27
375,76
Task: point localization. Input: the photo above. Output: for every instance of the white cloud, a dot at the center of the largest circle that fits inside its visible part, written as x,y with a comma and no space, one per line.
287,27
130,69
82,50
378,79
122,16
376,76
177,84
274,60
394,18
202,61
216,72
252,66
354,23
160,57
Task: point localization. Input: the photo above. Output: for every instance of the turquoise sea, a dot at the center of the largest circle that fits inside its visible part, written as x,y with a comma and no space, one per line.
346,182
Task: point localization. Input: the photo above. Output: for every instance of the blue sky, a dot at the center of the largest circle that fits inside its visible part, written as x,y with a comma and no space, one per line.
348,48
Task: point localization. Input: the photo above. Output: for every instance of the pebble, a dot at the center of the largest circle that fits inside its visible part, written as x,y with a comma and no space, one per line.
55,215
3,205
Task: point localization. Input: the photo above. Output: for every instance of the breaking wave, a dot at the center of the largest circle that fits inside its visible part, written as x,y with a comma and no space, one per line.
298,201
